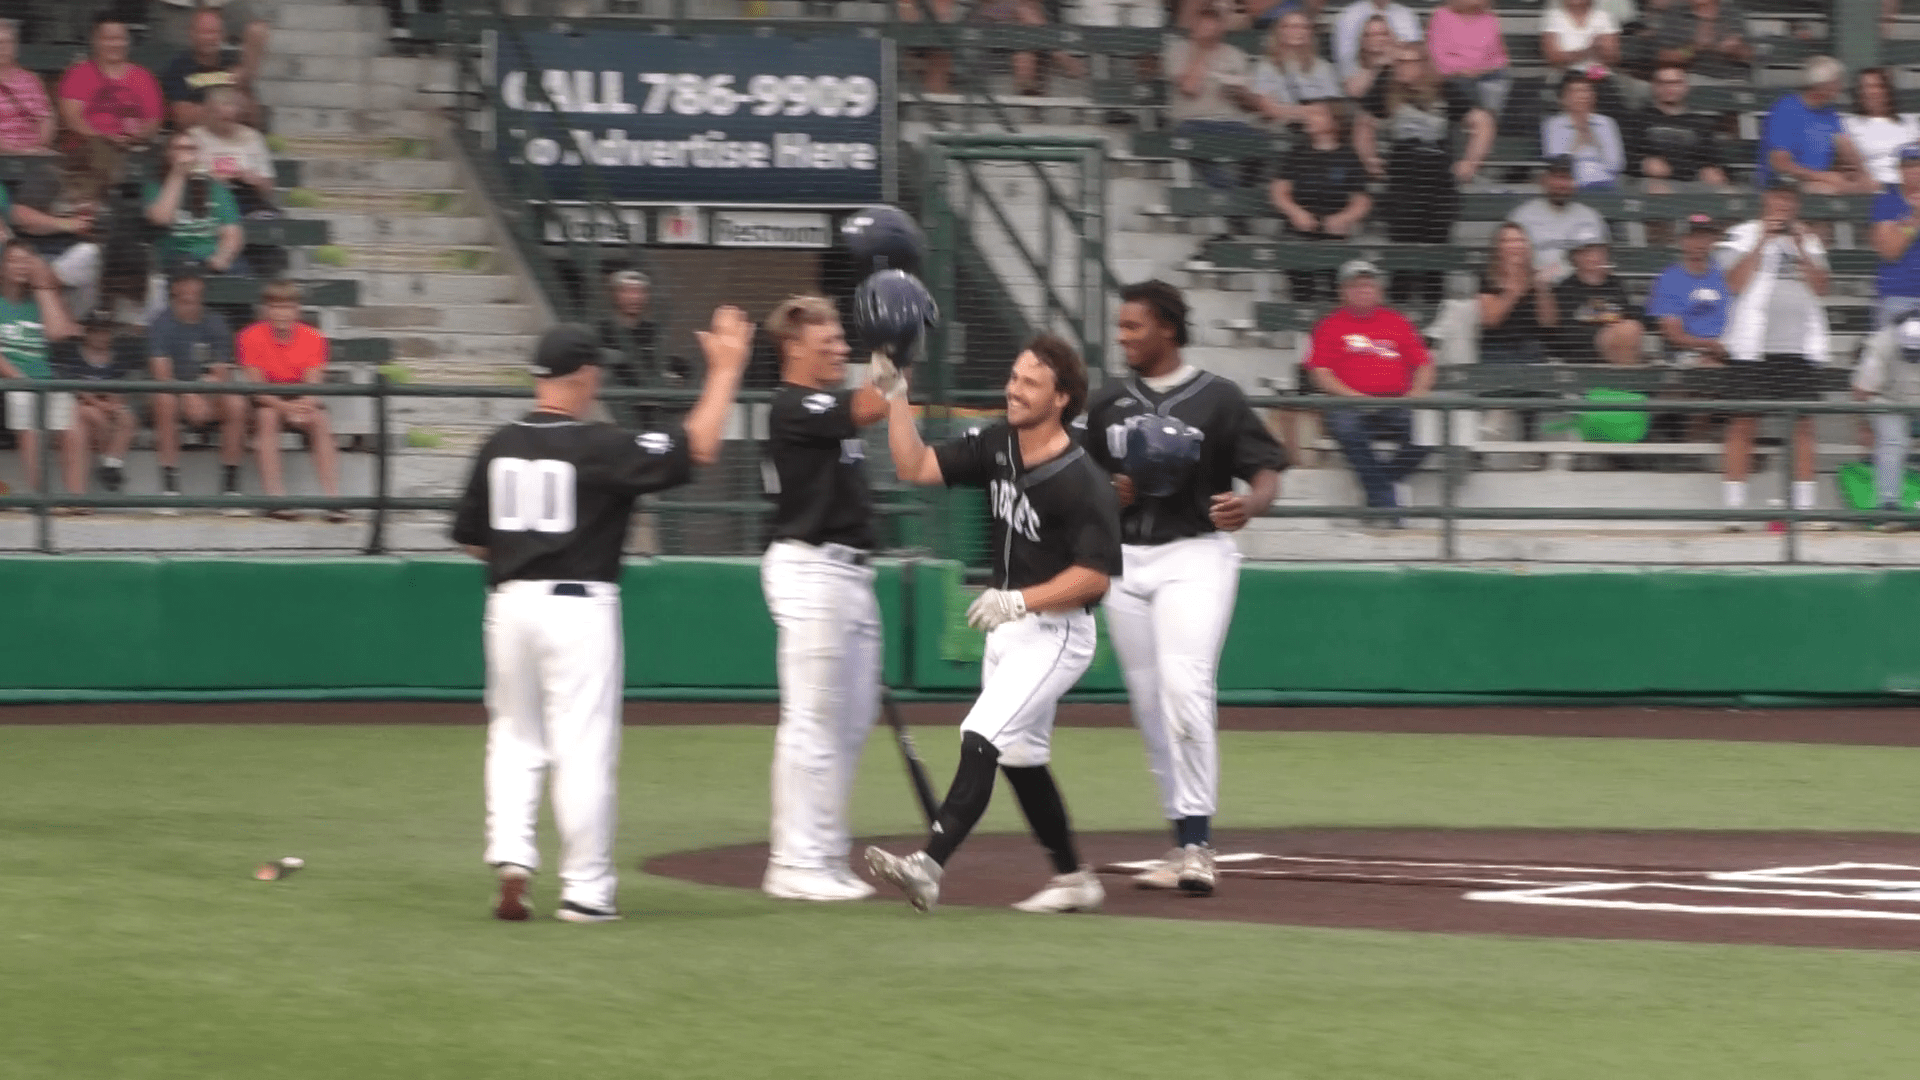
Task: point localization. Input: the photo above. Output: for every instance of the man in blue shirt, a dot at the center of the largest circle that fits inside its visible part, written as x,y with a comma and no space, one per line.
1896,221
1690,299
1803,139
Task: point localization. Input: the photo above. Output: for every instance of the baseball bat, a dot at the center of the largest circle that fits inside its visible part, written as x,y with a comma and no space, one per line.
916,769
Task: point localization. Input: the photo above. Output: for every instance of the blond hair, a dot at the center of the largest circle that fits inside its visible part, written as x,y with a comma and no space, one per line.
795,314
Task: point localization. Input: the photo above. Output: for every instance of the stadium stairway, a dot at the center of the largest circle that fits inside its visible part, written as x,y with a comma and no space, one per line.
435,274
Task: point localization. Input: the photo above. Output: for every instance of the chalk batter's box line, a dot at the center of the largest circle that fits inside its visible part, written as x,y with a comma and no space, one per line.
1578,896
1788,875
1226,864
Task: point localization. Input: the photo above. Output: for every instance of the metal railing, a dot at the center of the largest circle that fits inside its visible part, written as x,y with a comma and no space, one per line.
382,503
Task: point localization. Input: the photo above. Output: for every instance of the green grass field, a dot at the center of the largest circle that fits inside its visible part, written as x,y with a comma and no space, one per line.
138,945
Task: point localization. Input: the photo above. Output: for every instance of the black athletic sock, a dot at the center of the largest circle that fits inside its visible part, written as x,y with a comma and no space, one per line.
169,478
966,799
1173,826
1046,814
1197,829
229,479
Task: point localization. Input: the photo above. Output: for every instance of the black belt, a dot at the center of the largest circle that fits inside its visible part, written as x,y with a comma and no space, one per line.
569,588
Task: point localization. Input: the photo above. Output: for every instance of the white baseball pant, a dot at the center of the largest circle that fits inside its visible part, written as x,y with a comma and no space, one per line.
1168,614
829,666
1030,663
554,674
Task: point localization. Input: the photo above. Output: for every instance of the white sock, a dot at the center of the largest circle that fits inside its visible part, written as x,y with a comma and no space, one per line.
1805,494
1734,494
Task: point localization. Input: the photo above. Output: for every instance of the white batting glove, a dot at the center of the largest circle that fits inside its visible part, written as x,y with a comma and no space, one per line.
995,608
886,377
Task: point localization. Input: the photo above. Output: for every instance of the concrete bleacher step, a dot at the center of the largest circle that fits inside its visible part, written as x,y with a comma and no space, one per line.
307,120
309,15
309,148
369,200
481,351
410,71
361,228
411,258
438,287
347,173
338,94
465,318
340,43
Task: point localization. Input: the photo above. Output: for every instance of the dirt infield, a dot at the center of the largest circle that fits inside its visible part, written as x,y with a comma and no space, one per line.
1867,727
1845,890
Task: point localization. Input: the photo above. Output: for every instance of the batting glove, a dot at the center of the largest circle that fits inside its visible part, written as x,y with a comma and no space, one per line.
996,608
886,377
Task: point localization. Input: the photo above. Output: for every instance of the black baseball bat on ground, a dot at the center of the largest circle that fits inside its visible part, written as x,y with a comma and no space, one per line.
916,769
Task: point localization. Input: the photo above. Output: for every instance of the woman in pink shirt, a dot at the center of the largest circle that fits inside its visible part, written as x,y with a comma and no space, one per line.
107,96
26,116
1464,37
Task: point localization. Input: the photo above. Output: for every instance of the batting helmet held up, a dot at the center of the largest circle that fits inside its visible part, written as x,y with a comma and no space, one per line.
884,238
1160,451
890,309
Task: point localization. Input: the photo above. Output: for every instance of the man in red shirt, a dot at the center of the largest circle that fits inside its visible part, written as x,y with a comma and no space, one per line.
1365,350
282,349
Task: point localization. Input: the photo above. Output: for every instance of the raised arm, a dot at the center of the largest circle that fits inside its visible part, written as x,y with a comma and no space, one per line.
726,347
913,460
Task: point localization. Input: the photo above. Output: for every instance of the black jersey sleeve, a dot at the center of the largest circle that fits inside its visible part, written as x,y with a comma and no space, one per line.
1254,447
471,515
644,461
1093,530
825,415
968,460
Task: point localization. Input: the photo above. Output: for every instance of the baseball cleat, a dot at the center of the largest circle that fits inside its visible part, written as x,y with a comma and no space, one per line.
511,905
917,875
572,912
1164,874
845,875
1078,891
1196,873
794,883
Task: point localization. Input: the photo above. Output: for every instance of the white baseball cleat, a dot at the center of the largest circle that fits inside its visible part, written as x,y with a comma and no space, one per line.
1078,891
845,875
581,913
794,883
917,875
1196,874
1164,874
511,905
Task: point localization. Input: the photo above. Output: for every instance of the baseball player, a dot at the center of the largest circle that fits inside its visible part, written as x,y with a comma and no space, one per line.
1889,371
1169,611
820,590
1056,547
546,508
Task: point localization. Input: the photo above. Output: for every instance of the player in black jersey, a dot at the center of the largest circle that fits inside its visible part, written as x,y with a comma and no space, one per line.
820,590
1056,547
1168,614
547,507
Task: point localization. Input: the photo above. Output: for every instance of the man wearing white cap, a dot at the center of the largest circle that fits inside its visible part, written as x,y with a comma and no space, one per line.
1889,371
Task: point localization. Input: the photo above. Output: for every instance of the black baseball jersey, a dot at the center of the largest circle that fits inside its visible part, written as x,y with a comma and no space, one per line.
819,474
550,496
1237,444
1060,514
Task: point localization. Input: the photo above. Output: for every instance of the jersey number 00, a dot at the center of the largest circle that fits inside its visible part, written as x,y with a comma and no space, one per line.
531,495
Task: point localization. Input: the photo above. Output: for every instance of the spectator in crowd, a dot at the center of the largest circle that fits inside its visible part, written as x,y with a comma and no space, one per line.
282,350
1401,22
936,65
102,421
1889,372
1322,192
107,97
200,216
1691,299
1292,80
1708,37
26,116
1804,139
1591,141
1896,221
635,337
1667,143
1418,116
1517,304
1776,333
235,154
1211,92
207,63
190,343
1267,12
1877,127
1578,37
1597,321
62,208
32,318
1554,222
1027,79
249,22
1464,36
1366,350
1374,62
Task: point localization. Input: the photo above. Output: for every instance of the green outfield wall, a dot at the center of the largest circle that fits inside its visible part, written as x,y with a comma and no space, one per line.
90,628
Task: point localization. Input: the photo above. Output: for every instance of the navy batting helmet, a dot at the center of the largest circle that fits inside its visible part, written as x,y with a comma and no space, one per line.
884,238
890,309
1160,452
